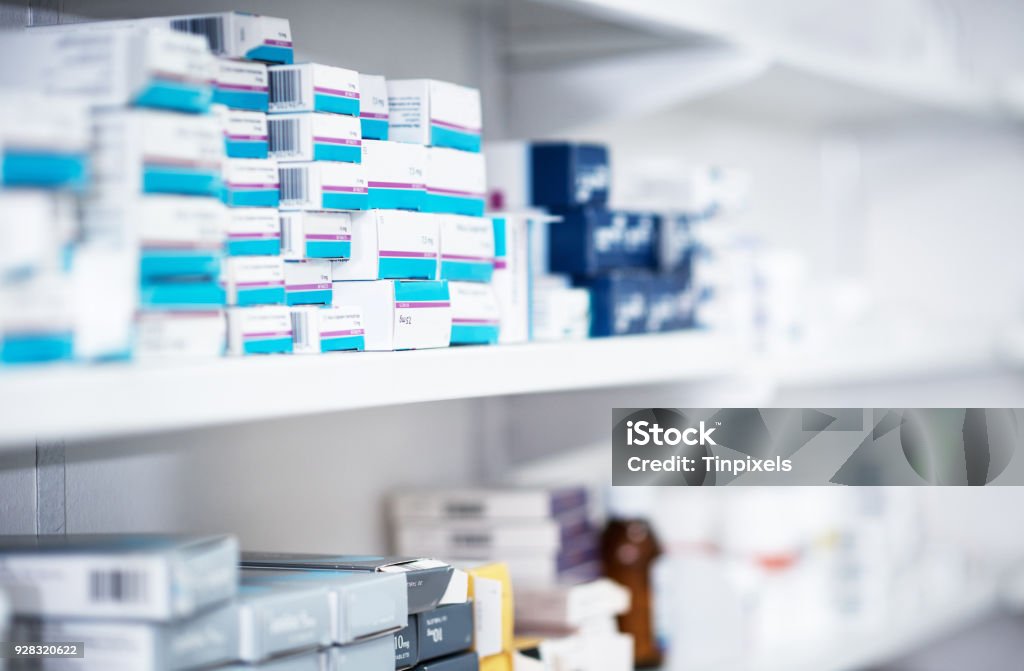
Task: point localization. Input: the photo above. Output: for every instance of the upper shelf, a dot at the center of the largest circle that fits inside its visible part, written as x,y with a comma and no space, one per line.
71,402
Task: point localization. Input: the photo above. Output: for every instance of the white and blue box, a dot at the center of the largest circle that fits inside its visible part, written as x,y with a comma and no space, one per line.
547,174
513,274
242,85
590,241
245,133
456,182
251,182
165,334
113,65
178,236
619,303
323,185
395,174
254,280
44,141
124,577
35,232
37,322
315,136
391,244
467,248
182,294
276,619
400,315
308,282
253,231
362,604
435,113
314,87
373,106
149,151
316,235
476,317
320,329
261,329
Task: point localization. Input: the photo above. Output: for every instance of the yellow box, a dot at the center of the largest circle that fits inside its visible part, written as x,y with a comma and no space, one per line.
490,588
499,662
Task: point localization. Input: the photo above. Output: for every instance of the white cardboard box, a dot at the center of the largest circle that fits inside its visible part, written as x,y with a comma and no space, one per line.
314,87
263,329
456,181
391,244
435,113
316,235
171,334
373,106
476,318
315,136
323,185
395,174
400,315
319,329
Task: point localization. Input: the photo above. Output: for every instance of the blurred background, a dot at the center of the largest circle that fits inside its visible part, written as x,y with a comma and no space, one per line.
881,150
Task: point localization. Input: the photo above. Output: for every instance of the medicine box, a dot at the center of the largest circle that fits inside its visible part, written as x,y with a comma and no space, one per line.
245,132
242,85
228,34
123,577
34,232
316,235
254,231
314,87
400,315
373,110
406,647
264,329
182,294
362,604
254,280
395,174
323,185
444,630
149,151
315,136
44,141
490,589
559,313
178,236
205,640
280,618
38,322
476,318
170,334
113,65
594,240
251,182
308,282
671,301
426,579
435,113
569,175
319,329
456,182
105,296
467,248
619,303
391,244
376,653
569,606
467,661
512,275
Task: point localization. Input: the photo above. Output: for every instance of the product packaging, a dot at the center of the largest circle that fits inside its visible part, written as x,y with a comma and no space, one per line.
400,315
315,136
391,244
395,174
435,113
313,87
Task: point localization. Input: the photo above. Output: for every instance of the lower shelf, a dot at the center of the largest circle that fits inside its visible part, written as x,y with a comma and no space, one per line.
79,402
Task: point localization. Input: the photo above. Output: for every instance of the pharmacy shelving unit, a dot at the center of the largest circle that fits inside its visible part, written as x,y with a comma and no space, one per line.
86,402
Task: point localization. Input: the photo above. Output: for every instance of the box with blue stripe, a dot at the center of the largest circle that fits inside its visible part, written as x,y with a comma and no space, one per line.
323,185
253,231
176,334
395,174
476,316
178,236
114,64
242,85
467,248
456,182
44,141
314,87
435,113
38,323
254,280
245,133
373,106
251,182
391,244
400,315
315,136
264,329
316,235
307,282
318,329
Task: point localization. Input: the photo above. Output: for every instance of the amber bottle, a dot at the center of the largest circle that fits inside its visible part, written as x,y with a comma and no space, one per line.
629,549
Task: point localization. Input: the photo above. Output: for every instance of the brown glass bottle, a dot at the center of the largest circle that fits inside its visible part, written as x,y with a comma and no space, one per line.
628,550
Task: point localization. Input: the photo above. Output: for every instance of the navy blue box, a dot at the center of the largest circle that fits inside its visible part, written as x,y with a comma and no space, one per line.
464,662
591,241
671,302
445,630
569,175
407,653
618,303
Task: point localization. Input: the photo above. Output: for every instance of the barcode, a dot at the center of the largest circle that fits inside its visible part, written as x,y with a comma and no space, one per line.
294,186
211,27
286,234
286,87
284,136
300,329
117,586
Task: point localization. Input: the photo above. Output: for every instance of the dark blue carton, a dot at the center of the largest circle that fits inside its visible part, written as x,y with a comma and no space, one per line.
618,303
591,241
569,175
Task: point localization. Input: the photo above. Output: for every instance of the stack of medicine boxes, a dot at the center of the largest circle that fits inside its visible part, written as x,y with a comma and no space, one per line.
44,144
315,134
396,273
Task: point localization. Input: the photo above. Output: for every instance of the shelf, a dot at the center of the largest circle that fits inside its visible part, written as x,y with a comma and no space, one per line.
68,402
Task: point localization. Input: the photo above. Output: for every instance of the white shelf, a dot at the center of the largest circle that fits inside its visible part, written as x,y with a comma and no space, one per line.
68,402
